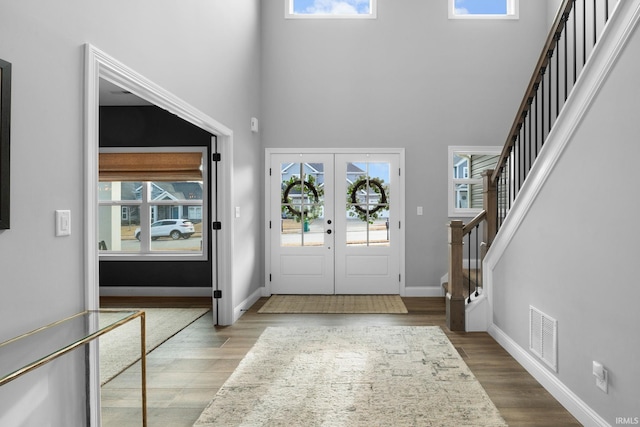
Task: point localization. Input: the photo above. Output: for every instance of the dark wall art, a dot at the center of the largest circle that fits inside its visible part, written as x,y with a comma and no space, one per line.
5,123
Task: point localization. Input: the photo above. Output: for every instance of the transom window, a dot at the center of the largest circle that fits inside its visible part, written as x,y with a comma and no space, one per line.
351,9
466,165
483,9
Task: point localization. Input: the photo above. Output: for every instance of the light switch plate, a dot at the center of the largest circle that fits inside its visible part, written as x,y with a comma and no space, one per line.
63,223
602,376
603,384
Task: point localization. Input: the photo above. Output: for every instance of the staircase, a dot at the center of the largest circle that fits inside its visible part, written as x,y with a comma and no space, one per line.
573,37
471,277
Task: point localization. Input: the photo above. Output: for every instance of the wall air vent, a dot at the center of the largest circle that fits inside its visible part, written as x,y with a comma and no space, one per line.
543,337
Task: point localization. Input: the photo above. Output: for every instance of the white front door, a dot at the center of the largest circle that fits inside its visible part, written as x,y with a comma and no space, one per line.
301,209
367,246
334,223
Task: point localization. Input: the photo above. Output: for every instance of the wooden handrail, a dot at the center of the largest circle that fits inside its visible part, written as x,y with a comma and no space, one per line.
525,105
475,221
499,195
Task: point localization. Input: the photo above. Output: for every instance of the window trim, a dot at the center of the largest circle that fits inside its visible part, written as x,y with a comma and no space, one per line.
454,211
145,253
289,14
513,12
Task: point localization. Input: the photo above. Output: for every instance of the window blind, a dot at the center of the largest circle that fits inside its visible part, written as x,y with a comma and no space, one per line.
164,166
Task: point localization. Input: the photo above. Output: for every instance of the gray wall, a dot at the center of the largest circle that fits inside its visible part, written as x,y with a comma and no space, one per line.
575,254
206,53
410,78
552,9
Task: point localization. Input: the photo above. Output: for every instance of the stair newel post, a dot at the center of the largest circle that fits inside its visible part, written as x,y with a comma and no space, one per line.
490,205
455,300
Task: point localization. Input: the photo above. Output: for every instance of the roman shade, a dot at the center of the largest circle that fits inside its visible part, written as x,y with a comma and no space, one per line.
183,166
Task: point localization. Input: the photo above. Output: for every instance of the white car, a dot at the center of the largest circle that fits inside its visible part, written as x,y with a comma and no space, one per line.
174,228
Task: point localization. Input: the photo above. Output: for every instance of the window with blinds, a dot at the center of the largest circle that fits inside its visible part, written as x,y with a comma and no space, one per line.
152,202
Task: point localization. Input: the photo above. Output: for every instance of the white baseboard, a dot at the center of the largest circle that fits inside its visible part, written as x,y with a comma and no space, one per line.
154,291
423,291
245,305
579,409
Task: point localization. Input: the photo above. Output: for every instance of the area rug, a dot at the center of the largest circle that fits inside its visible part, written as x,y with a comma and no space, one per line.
352,376
120,348
335,304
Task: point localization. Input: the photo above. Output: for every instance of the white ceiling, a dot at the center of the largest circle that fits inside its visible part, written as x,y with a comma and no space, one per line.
113,95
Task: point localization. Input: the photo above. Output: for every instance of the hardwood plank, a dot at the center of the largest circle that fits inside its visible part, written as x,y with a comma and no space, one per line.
521,400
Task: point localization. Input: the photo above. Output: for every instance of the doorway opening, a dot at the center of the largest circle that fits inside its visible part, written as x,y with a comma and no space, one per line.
100,66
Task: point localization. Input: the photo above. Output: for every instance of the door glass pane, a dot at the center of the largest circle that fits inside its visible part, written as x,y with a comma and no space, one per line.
367,207
302,204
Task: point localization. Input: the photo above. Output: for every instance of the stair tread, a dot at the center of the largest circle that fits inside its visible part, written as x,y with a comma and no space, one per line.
465,289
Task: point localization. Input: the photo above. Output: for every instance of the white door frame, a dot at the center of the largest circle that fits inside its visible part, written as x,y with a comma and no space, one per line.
267,191
100,65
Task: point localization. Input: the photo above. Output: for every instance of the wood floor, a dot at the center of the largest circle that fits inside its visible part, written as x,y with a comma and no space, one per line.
184,373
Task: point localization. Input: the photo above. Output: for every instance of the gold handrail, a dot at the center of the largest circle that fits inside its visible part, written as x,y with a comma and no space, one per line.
30,366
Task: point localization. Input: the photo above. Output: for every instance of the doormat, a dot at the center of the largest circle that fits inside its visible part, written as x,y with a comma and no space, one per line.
352,376
334,304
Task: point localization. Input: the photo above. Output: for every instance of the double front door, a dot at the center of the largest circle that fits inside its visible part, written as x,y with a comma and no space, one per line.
334,223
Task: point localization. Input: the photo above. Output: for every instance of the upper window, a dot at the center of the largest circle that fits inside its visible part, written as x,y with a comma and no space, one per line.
351,9
466,165
483,9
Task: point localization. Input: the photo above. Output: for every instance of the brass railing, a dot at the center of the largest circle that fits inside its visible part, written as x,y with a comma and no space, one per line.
29,351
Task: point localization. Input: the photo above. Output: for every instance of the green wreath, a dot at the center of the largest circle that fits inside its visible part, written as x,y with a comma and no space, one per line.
310,191
367,213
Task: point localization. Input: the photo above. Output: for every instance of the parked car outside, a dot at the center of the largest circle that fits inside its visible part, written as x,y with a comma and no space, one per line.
174,228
